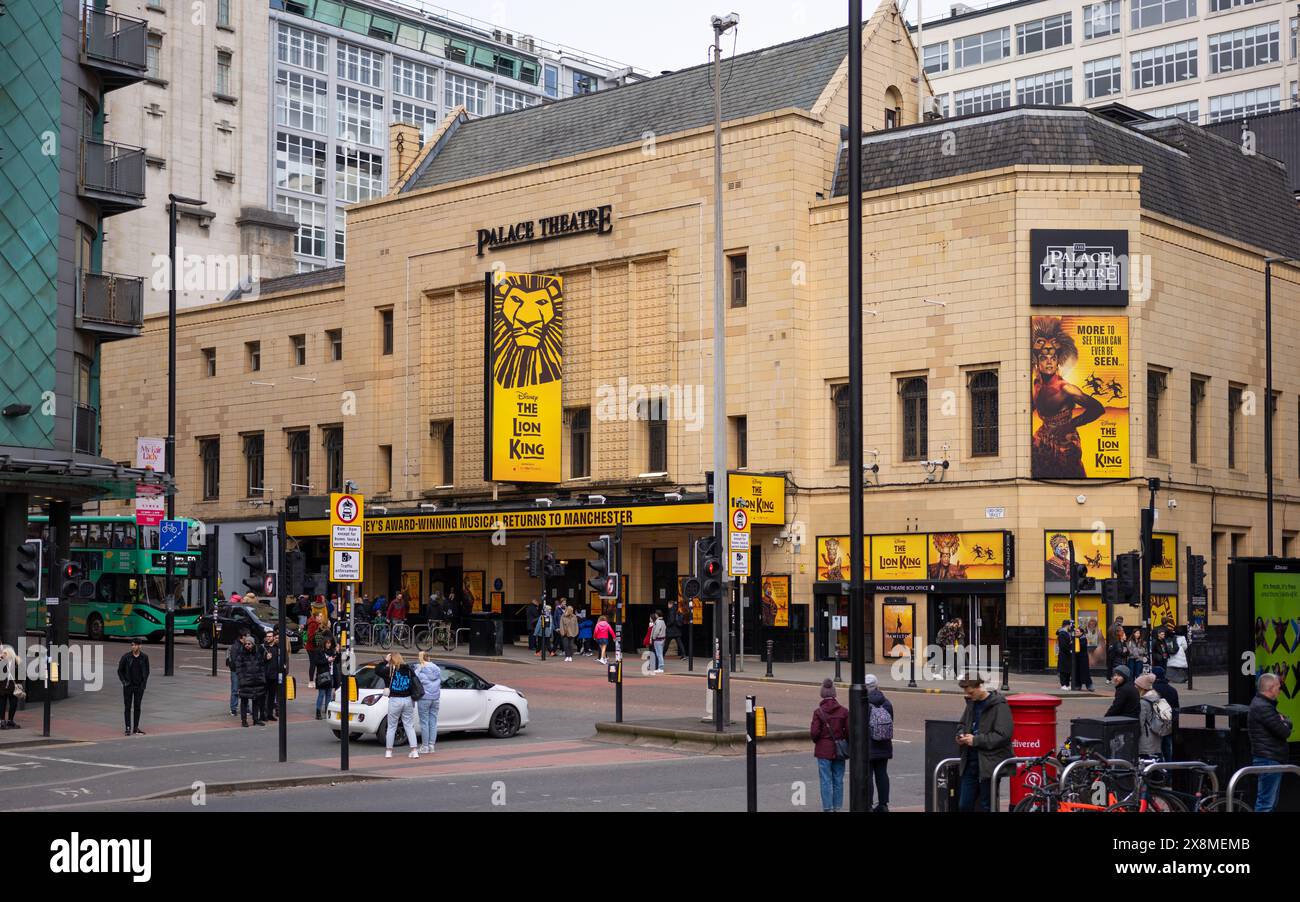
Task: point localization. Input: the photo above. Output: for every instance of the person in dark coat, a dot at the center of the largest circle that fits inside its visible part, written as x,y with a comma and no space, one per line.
1166,690
984,740
673,632
133,671
1081,677
1269,731
881,749
1127,703
1064,658
249,663
534,611
274,667
830,722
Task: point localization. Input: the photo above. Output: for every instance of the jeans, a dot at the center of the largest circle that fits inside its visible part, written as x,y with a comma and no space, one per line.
1266,793
323,697
402,709
234,692
974,791
659,654
568,646
880,770
831,774
132,696
428,720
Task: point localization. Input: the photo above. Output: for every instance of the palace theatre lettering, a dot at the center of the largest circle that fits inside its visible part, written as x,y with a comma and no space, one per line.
595,221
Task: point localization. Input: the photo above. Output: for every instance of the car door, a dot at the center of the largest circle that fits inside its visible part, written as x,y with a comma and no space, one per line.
460,705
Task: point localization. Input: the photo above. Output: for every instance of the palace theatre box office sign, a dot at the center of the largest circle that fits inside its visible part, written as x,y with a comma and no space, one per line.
962,574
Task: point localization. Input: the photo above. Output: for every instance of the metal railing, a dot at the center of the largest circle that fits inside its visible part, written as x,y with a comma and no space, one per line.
114,38
111,299
1258,769
85,434
937,782
112,168
995,801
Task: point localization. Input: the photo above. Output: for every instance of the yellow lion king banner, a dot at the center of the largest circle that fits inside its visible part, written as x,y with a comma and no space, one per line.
523,374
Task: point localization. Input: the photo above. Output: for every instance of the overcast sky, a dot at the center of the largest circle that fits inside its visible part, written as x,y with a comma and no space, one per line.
659,34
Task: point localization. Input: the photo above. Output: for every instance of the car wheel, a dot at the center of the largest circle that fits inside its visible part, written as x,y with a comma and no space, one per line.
205,638
338,734
95,628
504,723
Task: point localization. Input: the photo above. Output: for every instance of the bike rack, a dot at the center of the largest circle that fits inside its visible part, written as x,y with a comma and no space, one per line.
1259,769
1110,762
942,765
995,794
1187,765
463,629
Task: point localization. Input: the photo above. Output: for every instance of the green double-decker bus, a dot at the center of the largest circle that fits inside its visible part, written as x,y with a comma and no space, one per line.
129,571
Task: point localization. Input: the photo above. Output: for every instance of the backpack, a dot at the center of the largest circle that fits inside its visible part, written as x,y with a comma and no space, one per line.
882,724
1162,724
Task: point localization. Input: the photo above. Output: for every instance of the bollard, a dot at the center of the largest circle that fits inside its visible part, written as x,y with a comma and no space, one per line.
770,643
911,678
837,663
1006,671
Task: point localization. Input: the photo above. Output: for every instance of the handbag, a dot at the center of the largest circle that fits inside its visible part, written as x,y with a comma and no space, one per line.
841,745
417,688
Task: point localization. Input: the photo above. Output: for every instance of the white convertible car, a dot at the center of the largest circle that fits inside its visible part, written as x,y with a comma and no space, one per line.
467,702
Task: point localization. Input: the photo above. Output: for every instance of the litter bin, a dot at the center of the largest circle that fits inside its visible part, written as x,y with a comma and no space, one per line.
485,636
1225,745
1118,735
1033,735
940,743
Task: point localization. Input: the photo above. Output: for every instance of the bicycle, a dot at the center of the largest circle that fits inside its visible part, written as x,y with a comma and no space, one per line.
1148,796
362,633
438,632
398,634
1097,776
1198,800
381,633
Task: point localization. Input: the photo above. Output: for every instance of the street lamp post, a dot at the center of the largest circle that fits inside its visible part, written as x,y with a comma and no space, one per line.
169,649
1268,390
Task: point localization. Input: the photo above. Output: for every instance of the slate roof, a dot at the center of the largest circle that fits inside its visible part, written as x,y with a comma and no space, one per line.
787,75
1188,173
1277,135
295,282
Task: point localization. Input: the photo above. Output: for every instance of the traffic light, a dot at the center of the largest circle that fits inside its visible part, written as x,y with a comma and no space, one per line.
708,568
1080,581
1128,577
295,563
254,559
535,558
602,564
29,567
1196,575
551,565
73,584
1110,592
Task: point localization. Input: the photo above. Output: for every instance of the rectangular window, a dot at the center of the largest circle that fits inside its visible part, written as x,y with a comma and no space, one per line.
1189,111
385,469
335,339
332,439
983,388
1195,407
358,175
1294,24
300,101
153,57
360,116
412,79
310,237
580,443
468,92
300,48
210,456
1234,422
299,461
253,355
423,118
738,265
508,100
984,99
1246,103
1148,13
1100,20
210,362
1244,48
936,57
386,331
340,235
976,49
223,13
1163,65
1216,555
361,65
914,396
1046,89
1043,34
1102,77
1218,6
225,82
656,438
1156,382
740,436
843,423
254,465
551,81
584,84
443,434
298,344
300,164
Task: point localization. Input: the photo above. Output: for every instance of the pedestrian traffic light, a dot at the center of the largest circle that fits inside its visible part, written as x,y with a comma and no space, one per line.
1110,593
1080,581
73,584
295,563
255,559
602,564
30,563
708,568
551,565
535,558
1196,575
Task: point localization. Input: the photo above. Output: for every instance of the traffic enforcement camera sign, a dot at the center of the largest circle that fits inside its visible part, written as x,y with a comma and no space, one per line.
347,537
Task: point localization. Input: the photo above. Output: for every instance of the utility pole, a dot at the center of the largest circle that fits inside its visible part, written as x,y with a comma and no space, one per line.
1148,560
721,620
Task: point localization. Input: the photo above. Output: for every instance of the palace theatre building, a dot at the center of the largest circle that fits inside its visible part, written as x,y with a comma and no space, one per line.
1060,304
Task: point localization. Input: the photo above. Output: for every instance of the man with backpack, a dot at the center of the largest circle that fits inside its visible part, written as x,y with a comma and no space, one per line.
881,722
1156,720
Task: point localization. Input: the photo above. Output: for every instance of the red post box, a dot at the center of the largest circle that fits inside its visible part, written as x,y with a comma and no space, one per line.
1034,734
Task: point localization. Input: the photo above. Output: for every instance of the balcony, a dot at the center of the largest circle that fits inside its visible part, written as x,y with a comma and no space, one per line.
110,305
85,430
114,45
112,175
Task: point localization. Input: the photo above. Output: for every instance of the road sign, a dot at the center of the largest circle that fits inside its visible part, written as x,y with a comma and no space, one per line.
739,563
345,510
268,585
149,510
345,537
611,586
345,566
739,520
173,536
739,541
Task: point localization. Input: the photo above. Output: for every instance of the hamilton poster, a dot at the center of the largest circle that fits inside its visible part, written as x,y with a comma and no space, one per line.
1080,405
524,368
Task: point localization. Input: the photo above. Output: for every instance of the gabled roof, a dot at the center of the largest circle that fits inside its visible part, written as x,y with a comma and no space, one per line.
790,75
1188,174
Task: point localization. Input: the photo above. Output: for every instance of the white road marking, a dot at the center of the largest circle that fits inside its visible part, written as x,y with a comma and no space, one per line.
69,761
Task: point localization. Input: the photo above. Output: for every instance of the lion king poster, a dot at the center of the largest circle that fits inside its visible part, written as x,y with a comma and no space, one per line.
524,369
1080,397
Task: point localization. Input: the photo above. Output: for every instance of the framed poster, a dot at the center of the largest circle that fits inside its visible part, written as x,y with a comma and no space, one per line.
967,555
899,624
1093,549
833,558
775,610
593,603
475,581
1163,607
412,590
1166,569
498,601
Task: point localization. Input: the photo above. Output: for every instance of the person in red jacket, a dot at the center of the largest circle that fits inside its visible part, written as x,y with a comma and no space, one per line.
830,723
397,609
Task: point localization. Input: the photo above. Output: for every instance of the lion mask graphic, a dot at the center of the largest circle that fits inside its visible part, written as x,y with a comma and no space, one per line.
527,330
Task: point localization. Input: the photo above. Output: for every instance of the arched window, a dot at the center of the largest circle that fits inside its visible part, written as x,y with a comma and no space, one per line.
914,395
843,427
984,413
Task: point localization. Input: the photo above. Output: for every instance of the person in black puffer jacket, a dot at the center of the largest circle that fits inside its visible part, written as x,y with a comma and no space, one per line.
1127,703
881,749
249,664
1269,731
